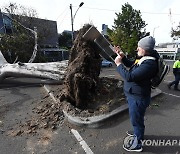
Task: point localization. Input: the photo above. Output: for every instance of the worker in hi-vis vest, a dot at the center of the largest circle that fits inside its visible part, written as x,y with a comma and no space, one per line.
176,72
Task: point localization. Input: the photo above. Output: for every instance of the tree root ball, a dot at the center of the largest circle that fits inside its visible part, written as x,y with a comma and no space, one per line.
83,71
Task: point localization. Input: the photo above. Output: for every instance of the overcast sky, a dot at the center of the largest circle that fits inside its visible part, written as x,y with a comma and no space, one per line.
156,13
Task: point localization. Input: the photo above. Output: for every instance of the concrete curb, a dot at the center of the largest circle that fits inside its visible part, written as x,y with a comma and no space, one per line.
96,121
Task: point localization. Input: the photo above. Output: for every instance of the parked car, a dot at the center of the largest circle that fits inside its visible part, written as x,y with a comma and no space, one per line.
106,63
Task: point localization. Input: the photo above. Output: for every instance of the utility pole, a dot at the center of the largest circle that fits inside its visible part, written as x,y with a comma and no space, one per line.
72,33
73,17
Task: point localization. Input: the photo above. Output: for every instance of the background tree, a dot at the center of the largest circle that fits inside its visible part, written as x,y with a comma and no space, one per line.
175,33
65,40
128,29
19,43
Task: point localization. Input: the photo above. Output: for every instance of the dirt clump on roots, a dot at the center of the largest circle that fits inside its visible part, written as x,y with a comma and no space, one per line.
84,92
83,71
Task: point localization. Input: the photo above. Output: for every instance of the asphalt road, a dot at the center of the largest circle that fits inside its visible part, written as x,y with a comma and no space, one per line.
18,97
17,100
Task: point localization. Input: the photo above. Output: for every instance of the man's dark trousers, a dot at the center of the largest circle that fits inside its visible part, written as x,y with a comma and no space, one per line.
137,108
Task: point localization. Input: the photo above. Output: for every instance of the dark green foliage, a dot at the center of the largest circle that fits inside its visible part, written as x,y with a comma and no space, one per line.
65,40
19,44
175,33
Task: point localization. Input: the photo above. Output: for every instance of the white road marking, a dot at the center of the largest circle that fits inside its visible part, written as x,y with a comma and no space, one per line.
109,75
170,75
50,93
167,81
82,142
171,94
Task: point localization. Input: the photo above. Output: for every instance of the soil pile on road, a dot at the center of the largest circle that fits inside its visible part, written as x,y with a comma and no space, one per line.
46,115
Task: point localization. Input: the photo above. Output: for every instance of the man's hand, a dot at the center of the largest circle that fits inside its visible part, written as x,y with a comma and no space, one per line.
120,55
118,60
118,51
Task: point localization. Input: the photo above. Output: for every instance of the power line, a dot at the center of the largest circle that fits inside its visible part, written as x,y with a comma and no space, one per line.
61,22
65,10
101,9
160,13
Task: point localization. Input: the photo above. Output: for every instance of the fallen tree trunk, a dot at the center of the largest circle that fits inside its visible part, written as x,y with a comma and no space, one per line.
83,71
54,70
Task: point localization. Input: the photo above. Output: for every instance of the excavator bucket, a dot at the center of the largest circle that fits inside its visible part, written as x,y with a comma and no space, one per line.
93,34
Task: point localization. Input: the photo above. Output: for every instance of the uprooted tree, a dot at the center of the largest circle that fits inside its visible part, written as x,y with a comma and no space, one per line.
83,71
